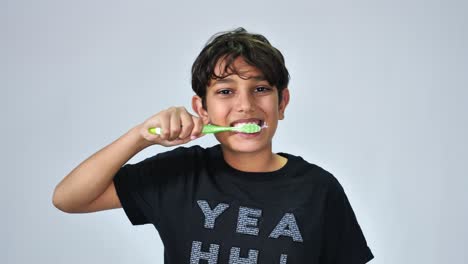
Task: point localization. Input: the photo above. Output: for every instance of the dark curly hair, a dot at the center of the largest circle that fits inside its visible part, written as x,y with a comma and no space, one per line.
255,49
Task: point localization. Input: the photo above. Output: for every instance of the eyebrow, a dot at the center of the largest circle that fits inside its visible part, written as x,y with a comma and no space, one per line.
230,80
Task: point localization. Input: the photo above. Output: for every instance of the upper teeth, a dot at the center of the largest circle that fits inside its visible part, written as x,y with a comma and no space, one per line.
240,124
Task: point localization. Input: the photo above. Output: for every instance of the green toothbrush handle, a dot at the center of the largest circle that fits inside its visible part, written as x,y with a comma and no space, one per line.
211,129
155,130
207,129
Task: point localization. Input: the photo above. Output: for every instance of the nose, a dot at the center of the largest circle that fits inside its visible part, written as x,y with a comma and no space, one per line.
245,102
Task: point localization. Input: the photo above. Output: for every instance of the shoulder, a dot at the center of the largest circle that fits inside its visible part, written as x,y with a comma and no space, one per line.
313,172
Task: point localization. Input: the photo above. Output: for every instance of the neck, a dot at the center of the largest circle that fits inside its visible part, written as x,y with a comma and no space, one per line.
261,161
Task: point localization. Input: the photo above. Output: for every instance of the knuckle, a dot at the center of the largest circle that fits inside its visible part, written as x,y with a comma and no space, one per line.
168,111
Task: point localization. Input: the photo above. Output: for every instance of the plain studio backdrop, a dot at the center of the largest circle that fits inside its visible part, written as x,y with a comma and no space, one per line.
378,98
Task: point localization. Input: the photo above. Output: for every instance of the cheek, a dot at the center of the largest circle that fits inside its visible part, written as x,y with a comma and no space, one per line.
217,113
271,109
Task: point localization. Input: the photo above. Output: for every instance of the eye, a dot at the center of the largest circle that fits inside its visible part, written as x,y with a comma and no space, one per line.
224,91
262,89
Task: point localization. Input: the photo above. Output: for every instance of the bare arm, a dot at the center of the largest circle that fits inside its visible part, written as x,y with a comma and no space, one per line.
94,176
90,188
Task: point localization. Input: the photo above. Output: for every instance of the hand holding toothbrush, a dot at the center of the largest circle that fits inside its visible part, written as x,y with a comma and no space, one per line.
176,126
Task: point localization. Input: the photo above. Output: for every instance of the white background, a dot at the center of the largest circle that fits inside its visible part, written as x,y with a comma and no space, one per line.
379,98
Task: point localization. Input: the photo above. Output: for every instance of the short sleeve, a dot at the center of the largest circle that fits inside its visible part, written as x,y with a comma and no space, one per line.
137,189
343,241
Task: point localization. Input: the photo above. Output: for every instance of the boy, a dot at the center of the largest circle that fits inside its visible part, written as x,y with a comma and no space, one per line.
236,202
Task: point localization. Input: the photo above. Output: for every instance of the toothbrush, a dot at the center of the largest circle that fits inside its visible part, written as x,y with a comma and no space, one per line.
211,129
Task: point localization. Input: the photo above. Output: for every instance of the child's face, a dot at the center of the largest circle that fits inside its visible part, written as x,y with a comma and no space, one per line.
234,100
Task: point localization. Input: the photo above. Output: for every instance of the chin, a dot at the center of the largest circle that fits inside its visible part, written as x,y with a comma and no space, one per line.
245,143
244,147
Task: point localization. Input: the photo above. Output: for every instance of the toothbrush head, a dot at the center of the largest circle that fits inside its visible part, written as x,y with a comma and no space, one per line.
248,128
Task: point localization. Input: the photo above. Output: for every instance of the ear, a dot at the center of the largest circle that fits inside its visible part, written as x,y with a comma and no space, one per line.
197,106
284,103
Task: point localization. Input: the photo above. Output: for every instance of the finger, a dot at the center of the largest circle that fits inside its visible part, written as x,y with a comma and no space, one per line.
174,129
198,127
187,124
179,141
164,124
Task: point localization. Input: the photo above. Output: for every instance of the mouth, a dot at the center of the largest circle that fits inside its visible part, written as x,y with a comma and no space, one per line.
259,122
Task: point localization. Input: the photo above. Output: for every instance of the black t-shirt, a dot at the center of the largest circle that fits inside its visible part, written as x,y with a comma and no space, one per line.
208,212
